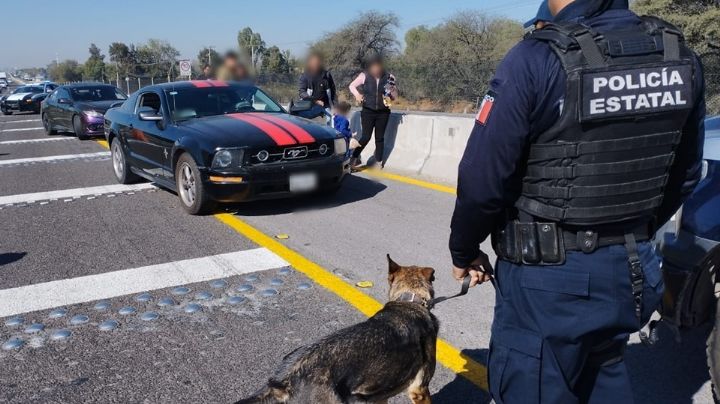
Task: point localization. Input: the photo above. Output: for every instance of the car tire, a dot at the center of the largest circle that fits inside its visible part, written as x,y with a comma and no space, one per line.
190,188
121,167
78,128
48,126
6,112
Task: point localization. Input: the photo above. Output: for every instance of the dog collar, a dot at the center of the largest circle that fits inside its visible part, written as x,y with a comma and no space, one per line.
409,297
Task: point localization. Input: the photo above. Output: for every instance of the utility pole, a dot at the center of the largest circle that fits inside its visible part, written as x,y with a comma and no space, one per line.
210,48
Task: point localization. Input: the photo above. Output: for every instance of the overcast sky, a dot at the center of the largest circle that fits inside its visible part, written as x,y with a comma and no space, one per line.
34,33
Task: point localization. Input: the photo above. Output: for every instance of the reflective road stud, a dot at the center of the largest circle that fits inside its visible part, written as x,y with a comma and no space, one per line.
218,284
60,335
34,328
14,321
192,308
269,292
108,325
244,288
149,316
58,313
180,290
126,310
143,297
13,343
79,319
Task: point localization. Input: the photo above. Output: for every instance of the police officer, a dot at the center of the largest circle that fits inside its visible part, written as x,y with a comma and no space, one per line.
589,138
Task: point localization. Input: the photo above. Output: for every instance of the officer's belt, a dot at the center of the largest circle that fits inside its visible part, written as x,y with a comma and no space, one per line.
586,240
537,243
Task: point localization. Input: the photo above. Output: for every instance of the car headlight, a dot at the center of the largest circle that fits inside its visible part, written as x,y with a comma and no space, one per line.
340,146
92,114
225,158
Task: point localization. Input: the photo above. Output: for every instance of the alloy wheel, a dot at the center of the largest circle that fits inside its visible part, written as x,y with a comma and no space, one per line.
118,159
187,186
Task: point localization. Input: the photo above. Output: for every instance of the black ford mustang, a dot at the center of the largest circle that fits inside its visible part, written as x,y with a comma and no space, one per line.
215,141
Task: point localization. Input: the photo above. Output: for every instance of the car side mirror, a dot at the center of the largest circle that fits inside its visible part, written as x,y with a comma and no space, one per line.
300,106
150,116
66,101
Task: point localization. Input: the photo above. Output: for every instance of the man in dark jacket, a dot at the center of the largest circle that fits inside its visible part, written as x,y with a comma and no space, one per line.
589,138
317,85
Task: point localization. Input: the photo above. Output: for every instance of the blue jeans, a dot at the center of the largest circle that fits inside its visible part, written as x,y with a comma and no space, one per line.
555,328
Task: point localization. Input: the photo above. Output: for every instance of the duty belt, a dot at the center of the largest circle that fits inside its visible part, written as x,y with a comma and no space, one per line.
538,243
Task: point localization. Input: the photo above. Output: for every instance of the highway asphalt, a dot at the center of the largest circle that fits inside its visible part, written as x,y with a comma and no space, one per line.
73,252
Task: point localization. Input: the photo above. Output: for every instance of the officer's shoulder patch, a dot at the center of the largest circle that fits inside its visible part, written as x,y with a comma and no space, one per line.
486,107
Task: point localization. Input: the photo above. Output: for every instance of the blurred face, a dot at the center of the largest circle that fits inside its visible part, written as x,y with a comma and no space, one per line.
206,70
376,69
230,62
314,64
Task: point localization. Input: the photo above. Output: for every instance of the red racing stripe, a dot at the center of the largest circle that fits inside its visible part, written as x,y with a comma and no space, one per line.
277,134
201,83
298,133
218,83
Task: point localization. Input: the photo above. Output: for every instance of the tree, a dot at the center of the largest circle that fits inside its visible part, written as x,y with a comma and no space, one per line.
66,71
275,62
211,54
123,57
156,58
94,68
700,22
345,50
456,59
251,45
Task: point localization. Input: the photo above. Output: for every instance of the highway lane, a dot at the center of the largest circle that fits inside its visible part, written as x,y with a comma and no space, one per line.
226,350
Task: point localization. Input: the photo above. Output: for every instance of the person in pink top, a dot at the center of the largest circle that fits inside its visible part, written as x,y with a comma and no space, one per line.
374,89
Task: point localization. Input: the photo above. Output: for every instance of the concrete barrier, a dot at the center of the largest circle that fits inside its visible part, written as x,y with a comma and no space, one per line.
423,144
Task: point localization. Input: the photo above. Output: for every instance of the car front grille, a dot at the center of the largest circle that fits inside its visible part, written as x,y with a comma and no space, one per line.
290,153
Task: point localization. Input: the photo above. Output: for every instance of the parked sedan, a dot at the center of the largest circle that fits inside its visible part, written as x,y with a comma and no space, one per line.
213,141
79,108
26,98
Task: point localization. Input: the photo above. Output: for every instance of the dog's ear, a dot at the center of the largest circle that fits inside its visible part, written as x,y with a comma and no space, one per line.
428,273
393,268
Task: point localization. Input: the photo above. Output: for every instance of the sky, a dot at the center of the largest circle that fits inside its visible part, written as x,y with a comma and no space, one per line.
65,29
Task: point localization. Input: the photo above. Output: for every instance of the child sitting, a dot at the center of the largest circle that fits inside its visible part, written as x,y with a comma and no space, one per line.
341,123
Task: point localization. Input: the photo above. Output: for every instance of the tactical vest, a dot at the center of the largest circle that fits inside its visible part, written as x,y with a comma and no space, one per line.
373,93
608,157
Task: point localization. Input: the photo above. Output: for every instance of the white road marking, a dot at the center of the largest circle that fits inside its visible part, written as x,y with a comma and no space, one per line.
67,292
20,129
22,121
54,158
51,139
72,193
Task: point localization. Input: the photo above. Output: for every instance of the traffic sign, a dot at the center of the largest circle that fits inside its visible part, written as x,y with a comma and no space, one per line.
185,68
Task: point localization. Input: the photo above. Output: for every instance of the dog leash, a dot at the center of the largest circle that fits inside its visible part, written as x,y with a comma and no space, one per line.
466,286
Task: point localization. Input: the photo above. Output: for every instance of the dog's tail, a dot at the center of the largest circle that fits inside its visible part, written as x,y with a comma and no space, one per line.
274,393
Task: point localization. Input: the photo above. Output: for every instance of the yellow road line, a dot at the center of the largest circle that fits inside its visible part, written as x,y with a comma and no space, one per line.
447,355
103,143
412,181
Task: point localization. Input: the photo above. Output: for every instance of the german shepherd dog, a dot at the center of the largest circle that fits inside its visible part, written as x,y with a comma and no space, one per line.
369,362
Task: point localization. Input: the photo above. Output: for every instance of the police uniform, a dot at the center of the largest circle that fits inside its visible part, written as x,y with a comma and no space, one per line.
589,138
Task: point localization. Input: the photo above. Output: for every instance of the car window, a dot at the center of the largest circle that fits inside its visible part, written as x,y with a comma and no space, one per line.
712,123
151,100
99,93
62,93
187,103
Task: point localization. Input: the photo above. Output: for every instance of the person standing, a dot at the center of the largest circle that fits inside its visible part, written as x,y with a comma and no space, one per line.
583,146
374,89
316,85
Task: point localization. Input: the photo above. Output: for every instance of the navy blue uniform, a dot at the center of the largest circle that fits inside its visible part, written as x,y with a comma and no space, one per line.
552,323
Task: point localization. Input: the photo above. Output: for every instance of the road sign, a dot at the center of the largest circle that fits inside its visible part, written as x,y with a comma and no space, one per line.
185,68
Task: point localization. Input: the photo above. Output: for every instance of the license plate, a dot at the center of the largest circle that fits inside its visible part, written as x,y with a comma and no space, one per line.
303,182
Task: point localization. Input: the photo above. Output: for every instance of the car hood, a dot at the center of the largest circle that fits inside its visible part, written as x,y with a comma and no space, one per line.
99,106
16,97
257,130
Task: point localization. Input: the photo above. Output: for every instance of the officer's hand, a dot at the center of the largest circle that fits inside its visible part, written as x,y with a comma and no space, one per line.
320,103
477,277
360,99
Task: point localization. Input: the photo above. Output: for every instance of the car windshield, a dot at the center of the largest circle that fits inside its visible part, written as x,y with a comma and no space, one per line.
98,93
188,103
28,89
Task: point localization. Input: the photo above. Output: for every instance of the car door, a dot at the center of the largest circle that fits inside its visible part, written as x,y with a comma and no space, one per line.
64,111
50,109
144,136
